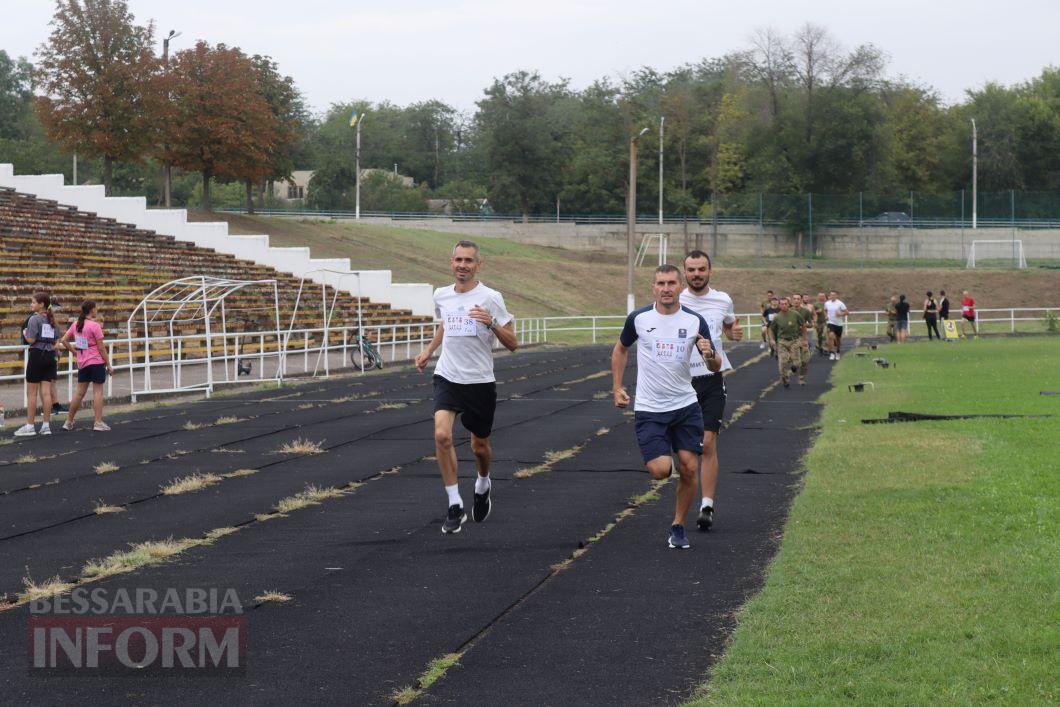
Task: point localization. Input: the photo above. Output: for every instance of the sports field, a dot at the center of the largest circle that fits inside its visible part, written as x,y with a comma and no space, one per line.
919,563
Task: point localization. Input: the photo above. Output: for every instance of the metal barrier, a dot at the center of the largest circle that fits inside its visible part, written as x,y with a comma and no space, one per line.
406,340
534,330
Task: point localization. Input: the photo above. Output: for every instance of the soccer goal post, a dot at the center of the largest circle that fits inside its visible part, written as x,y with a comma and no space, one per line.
1005,253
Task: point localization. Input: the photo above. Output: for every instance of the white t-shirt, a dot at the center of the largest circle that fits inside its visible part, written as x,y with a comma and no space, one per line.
832,308
467,347
716,307
665,349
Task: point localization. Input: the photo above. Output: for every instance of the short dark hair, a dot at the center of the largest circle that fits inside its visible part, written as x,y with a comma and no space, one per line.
665,267
699,254
467,244
769,292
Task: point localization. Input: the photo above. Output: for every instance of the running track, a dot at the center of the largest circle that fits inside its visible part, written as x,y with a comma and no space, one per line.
540,615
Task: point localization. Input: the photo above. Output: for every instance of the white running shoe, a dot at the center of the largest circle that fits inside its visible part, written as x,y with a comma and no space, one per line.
27,430
45,428
762,346
831,356
837,357
101,427
68,425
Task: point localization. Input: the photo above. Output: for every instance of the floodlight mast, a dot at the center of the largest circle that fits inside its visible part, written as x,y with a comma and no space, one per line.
631,218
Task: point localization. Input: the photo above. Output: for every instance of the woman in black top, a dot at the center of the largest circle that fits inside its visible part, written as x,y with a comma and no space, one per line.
902,322
931,312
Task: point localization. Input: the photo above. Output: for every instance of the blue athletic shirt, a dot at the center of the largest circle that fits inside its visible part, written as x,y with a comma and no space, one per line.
665,349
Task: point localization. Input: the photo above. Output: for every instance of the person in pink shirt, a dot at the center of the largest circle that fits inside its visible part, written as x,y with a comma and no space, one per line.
92,364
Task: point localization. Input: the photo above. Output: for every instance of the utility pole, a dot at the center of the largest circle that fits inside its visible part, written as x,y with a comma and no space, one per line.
167,173
662,121
975,175
75,169
631,219
357,170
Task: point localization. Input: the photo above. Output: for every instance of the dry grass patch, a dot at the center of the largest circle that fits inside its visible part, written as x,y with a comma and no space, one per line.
222,450
239,472
435,671
301,446
601,394
31,591
591,376
188,484
262,517
26,459
311,496
272,595
216,533
105,467
138,555
104,508
306,406
392,406
602,431
192,426
228,420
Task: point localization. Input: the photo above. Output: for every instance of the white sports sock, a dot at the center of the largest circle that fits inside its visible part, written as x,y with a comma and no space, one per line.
454,495
482,484
707,501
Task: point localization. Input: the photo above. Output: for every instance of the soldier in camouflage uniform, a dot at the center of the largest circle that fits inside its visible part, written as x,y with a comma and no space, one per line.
788,328
822,318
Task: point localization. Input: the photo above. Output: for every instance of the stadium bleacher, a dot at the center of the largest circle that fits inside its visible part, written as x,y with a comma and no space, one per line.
77,255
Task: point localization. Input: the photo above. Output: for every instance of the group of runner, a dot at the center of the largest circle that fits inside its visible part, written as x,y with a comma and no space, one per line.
680,391
936,309
84,339
789,324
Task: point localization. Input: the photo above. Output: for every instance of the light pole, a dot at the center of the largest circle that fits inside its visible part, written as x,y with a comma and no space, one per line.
167,177
357,170
662,122
975,175
631,218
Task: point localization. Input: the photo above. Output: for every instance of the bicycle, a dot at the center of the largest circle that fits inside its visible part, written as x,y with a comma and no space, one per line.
370,357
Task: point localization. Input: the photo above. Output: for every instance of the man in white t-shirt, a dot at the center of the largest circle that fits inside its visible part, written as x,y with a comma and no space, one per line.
666,417
716,308
472,316
835,312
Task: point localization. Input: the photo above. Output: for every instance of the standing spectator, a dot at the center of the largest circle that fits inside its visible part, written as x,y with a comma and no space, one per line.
931,312
892,319
944,306
968,313
901,322
92,363
39,335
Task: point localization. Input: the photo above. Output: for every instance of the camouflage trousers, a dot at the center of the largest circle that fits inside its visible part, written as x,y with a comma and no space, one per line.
793,354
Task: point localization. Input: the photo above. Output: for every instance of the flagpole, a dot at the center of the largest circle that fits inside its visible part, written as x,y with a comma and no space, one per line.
357,208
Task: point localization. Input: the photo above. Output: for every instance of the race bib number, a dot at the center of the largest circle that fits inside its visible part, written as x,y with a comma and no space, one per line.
80,341
666,350
47,331
457,323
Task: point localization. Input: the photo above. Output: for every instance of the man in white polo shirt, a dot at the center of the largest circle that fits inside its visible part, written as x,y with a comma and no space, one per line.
716,308
836,313
667,417
472,317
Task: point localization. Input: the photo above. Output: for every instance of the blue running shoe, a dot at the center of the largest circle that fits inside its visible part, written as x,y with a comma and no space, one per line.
678,541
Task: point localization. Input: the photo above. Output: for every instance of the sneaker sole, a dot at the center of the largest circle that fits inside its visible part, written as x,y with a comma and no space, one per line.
463,520
677,547
704,526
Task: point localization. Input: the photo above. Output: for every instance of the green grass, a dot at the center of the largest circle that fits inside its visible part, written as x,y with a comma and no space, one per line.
919,563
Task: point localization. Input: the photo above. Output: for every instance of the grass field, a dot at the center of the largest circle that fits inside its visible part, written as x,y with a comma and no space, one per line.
540,281
920,562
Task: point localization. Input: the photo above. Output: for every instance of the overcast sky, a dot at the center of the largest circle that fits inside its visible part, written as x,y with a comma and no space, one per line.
414,50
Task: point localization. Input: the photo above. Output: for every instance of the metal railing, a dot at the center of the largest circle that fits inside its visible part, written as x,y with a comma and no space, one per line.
307,352
594,328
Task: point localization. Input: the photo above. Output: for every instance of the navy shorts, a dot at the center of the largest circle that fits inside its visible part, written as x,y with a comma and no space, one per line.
660,433
475,402
835,329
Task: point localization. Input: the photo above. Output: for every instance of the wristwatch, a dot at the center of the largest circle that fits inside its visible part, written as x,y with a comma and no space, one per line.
492,326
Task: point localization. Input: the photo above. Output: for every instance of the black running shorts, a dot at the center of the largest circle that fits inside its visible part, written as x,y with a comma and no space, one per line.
475,402
41,366
710,391
835,329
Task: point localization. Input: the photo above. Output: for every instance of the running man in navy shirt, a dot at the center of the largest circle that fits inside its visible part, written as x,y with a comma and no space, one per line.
667,417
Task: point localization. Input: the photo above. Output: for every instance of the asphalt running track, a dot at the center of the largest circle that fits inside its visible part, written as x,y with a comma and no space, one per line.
378,592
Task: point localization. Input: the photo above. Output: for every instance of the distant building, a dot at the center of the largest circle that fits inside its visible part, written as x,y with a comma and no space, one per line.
297,188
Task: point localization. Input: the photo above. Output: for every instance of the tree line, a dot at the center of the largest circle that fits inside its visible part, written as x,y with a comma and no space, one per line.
788,114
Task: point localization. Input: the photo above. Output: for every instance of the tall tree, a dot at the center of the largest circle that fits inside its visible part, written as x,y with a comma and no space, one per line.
526,140
16,93
98,75
222,125
289,120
